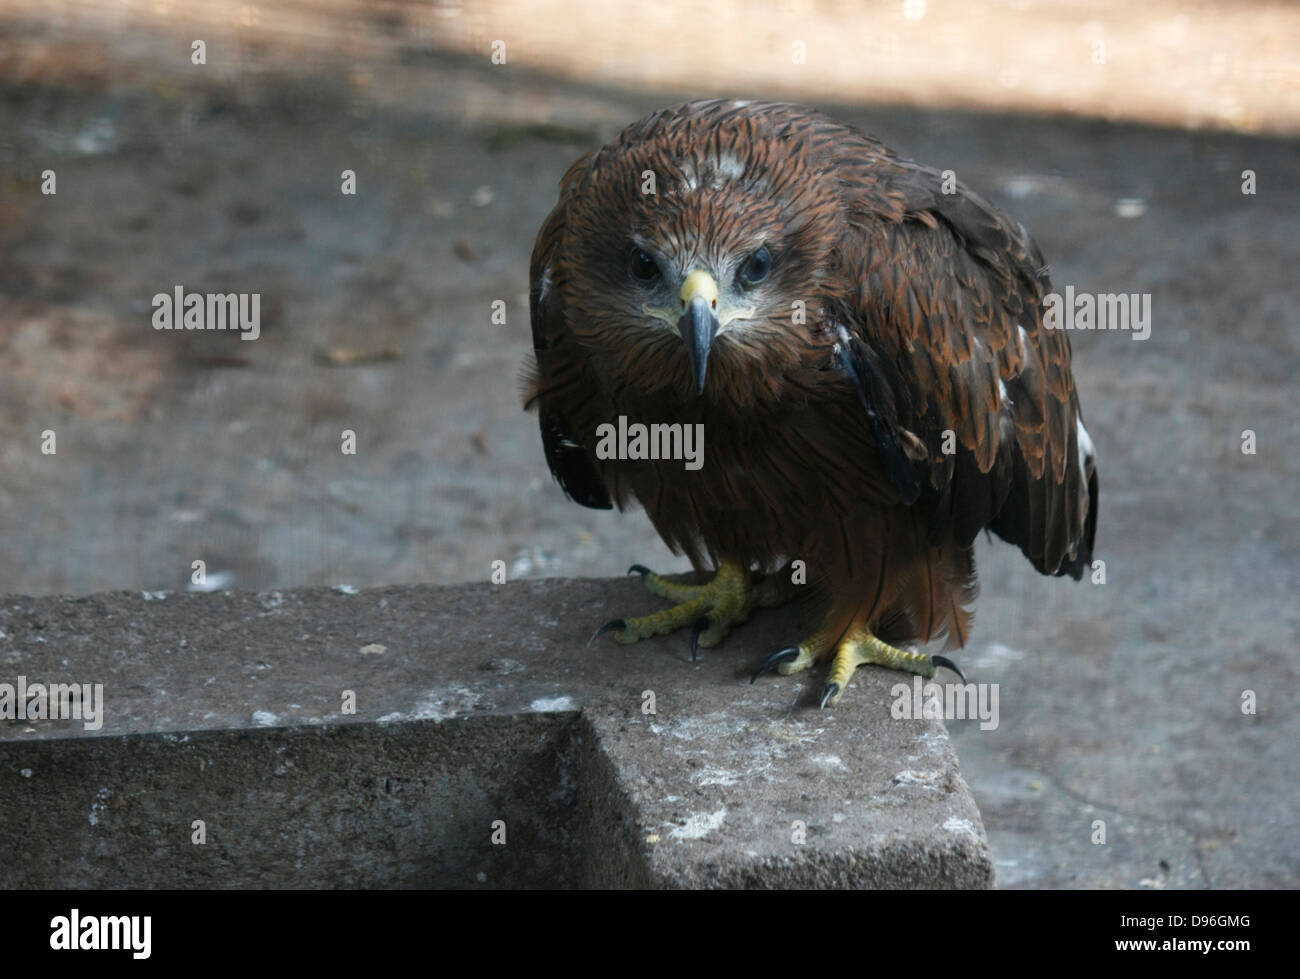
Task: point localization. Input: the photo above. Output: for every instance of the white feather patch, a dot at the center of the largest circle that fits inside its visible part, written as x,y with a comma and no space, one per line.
1087,452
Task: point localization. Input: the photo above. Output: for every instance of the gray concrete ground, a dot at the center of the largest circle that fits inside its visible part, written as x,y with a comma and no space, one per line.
1120,701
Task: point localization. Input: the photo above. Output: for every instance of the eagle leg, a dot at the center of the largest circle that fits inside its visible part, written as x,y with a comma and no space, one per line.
857,647
712,609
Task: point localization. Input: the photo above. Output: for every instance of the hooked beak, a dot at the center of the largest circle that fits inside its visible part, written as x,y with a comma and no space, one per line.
699,323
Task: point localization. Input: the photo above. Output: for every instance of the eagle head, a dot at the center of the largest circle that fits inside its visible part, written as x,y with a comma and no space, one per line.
697,252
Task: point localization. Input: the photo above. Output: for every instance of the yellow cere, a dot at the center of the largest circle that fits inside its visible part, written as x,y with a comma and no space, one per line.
700,284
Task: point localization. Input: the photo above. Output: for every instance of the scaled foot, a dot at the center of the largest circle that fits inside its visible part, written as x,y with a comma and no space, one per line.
711,610
857,647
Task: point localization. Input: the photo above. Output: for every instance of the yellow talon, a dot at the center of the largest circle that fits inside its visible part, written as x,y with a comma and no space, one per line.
672,590
811,651
713,608
856,647
859,648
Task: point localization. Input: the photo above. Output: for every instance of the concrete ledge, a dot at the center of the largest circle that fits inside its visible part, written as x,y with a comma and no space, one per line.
474,704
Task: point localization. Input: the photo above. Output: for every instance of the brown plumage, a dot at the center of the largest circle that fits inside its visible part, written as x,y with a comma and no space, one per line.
917,400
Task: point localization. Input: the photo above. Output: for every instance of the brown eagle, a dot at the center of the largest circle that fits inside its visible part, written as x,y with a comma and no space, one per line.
858,342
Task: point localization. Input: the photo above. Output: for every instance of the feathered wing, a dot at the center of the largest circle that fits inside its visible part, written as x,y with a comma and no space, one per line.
949,302
568,460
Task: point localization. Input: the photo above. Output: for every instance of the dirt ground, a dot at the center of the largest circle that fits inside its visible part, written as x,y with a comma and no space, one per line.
1120,701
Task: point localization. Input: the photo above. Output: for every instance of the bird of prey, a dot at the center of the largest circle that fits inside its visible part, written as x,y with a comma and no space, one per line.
863,344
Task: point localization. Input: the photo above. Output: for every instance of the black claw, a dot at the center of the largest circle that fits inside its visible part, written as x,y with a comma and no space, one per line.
700,626
773,661
831,690
640,569
608,627
946,662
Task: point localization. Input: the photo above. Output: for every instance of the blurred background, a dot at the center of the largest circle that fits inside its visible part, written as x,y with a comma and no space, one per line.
1118,133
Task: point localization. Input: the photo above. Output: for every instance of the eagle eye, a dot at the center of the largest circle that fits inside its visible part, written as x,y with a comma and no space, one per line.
641,265
756,267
